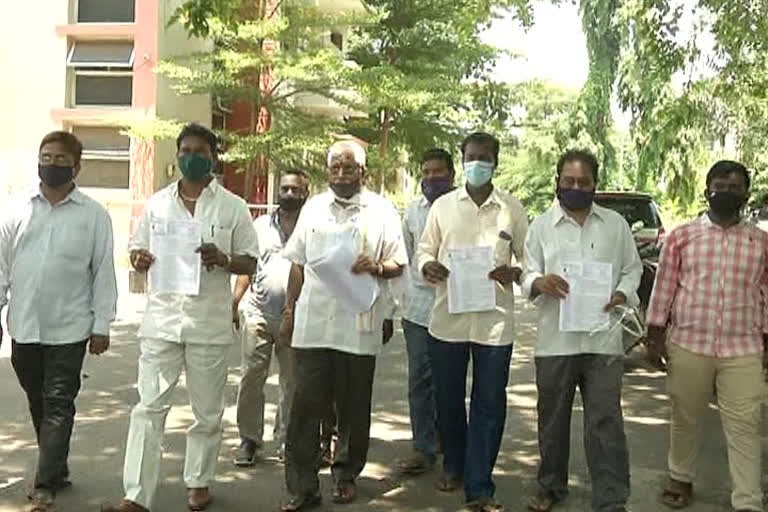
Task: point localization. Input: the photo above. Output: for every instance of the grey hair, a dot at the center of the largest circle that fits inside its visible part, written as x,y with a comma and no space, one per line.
347,145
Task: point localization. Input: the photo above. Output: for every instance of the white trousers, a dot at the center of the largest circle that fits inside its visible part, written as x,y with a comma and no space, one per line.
160,366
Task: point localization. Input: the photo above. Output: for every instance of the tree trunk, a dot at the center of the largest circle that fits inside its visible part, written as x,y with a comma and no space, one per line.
386,128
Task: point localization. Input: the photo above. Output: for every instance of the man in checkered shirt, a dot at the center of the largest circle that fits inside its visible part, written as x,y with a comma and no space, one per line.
710,295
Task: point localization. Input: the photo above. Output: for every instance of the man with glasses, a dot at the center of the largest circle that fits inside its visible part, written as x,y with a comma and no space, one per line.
56,260
335,338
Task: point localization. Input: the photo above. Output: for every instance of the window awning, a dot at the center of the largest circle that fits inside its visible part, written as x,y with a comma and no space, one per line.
102,54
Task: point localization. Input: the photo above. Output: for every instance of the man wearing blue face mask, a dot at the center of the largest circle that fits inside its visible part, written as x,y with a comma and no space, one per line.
574,230
439,174
186,332
488,221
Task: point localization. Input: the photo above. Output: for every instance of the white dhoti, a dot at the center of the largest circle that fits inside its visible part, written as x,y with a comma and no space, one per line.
160,366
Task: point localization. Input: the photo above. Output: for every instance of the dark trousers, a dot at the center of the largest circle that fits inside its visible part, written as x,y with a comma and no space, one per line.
470,450
325,378
598,378
50,377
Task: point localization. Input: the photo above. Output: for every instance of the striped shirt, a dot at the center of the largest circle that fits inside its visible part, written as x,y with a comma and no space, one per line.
421,295
711,287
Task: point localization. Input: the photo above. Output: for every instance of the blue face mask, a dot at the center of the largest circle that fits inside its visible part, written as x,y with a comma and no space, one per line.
478,173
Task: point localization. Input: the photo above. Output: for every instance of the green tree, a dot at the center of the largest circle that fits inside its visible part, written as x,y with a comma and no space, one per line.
265,57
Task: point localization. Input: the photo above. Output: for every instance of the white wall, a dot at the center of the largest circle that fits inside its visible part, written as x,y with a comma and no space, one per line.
32,58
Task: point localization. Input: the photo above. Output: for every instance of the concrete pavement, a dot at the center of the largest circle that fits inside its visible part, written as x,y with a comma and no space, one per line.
109,392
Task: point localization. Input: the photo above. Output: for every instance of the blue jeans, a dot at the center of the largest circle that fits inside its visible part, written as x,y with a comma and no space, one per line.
470,450
421,390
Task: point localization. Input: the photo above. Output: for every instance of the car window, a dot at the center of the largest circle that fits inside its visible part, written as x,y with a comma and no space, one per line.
633,210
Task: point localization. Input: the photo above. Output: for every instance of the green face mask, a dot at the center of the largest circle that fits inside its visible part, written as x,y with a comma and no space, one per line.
195,167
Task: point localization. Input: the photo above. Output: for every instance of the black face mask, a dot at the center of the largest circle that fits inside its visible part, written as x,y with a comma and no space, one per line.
291,204
55,175
725,204
575,199
345,190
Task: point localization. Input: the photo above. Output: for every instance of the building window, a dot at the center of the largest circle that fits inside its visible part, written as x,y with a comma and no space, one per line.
337,39
103,73
106,11
106,157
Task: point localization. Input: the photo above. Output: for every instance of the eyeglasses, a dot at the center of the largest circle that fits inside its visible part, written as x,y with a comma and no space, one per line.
49,159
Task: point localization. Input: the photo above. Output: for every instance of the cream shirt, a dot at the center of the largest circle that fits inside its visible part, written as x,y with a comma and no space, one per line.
455,221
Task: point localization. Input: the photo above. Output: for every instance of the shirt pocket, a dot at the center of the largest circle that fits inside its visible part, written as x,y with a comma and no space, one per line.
72,242
222,237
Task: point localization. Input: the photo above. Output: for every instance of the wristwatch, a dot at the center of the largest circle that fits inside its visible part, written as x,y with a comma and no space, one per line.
229,260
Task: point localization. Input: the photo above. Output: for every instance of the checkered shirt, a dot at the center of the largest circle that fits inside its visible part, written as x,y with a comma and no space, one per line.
711,287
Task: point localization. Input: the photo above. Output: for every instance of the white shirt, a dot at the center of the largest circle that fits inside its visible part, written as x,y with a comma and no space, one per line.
207,317
455,221
58,264
420,297
554,237
319,319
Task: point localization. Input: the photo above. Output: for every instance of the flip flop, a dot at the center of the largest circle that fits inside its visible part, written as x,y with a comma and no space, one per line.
542,502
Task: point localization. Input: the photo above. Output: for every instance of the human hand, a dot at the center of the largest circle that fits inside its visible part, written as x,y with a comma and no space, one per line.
656,346
285,334
552,285
212,256
365,265
99,344
618,299
435,272
505,274
388,330
141,260
236,314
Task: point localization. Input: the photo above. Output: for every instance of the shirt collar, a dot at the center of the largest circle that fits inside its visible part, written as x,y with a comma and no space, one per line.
558,213
493,198
74,195
212,188
707,222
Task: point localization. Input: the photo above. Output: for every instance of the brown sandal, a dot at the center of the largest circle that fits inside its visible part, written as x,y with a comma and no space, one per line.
345,493
677,494
542,502
448,483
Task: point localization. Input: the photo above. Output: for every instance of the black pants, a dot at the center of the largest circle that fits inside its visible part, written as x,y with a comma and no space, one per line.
325,378
50,376
598,377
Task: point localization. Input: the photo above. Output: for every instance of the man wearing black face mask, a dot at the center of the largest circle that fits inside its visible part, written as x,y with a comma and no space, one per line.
439,173
711,291
576,231
264,313
56,261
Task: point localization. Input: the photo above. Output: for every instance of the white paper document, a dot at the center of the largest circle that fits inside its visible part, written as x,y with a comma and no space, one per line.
355,292
469,287
177,266
589,285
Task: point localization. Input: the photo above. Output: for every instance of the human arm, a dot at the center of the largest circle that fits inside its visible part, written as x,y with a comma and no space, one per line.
630,272
664,291
104,294
506,274
242,283
428,250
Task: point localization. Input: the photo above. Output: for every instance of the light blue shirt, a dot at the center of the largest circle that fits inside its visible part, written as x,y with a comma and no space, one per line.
57,262
420,297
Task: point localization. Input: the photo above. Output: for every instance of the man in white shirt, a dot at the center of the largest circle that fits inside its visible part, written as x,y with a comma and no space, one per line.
264,314
56,260
476,216
186,332
439,173
574,230
334,318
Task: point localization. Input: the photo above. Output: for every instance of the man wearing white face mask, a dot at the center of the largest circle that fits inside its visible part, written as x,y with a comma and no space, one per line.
479,217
